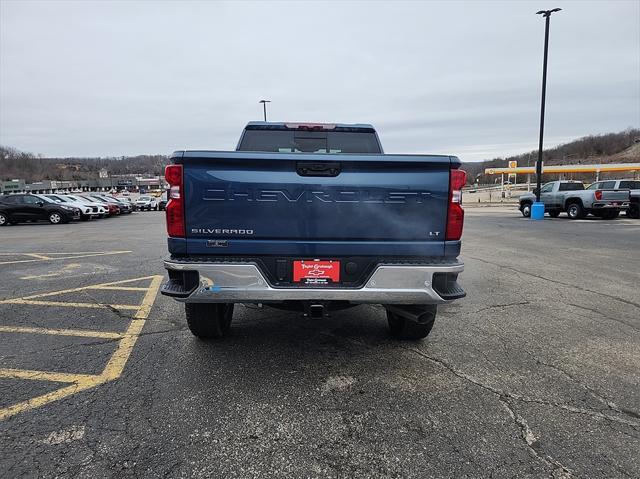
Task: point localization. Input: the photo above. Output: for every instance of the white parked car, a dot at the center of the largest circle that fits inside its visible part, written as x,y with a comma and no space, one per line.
85,211
98,209
147,203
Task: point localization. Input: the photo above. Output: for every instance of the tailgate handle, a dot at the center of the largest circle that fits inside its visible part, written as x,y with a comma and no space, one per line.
305,168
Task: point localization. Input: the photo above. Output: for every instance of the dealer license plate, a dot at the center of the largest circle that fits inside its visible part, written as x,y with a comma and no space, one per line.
316,271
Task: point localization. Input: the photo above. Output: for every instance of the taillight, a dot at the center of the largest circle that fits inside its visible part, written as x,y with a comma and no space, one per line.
175,206
598,195
455,213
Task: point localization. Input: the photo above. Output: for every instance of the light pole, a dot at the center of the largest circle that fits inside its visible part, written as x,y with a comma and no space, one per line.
264,107
537,210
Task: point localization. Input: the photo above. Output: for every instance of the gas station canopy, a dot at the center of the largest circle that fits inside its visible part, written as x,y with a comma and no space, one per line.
565,169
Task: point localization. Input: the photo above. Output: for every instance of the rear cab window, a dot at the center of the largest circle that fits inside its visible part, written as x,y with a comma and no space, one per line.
313,138
629,185
571,187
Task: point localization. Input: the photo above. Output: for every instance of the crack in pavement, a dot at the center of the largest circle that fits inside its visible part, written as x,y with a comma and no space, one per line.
572,285
531,441
599,313
526,433
560,471
517,397
603,400
499,306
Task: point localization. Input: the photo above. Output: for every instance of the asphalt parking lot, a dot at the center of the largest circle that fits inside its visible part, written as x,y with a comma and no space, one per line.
535,374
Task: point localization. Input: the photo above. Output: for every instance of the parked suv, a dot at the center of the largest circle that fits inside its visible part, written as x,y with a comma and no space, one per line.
99,209
111,206
24,207
125,206
85,210
147,203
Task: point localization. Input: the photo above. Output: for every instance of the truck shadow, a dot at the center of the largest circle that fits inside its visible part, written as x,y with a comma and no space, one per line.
270,351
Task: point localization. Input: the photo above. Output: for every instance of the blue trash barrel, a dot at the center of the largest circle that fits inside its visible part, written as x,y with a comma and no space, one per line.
537,210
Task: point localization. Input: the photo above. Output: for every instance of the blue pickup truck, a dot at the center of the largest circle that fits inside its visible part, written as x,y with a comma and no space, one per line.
313,217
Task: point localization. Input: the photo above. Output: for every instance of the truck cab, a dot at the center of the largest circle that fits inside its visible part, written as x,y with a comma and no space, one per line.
313,217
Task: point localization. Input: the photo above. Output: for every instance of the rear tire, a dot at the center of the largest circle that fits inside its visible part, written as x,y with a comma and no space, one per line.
404,328
525,209
610,215
633,211
209,320
575,211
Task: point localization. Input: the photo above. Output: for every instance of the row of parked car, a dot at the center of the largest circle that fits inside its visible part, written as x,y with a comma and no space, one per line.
62,208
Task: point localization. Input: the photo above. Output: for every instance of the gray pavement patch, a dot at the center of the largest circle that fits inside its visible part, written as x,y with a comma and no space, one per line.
16,390
64,354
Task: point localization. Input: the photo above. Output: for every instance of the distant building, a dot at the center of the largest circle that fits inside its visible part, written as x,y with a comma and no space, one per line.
120,183
103,173
12,186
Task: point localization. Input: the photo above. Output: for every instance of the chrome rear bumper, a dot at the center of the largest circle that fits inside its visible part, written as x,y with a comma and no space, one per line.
244,283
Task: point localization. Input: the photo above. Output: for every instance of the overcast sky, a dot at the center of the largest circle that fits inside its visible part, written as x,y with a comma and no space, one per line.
122,78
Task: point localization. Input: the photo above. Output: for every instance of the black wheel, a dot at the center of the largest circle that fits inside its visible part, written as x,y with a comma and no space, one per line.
525,209
554,213
401,327
3,219
85,218
610,215
575,211
209,320
55,218
633,211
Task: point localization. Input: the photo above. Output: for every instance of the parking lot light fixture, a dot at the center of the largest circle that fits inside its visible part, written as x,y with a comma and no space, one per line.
264,107
537,209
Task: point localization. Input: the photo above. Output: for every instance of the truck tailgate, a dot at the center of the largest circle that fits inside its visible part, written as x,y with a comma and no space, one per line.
276,203
619,196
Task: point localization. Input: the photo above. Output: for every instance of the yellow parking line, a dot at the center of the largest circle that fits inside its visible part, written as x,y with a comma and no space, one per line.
46,376
56,395
113,370
66,304
87,255
118,360
37,255
81,333
81,252
118,288
83,288
22,253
